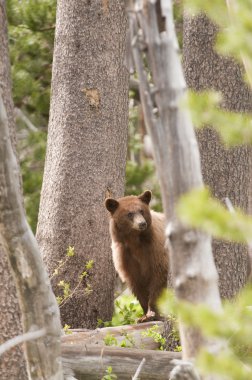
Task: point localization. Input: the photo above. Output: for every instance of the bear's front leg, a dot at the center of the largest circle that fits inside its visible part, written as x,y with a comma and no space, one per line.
152,312
148,317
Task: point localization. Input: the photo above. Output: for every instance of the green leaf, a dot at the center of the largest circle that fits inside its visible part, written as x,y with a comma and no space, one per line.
198,209
234,128
70,251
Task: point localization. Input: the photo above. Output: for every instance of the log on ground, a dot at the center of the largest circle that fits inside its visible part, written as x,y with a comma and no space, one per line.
131,334
89,362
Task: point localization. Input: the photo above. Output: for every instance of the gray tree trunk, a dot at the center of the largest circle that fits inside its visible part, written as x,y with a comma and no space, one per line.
86,152
225,171
177,160
12,363
38,305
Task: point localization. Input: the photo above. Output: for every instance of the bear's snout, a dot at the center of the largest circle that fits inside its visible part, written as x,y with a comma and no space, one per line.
142,225
139,222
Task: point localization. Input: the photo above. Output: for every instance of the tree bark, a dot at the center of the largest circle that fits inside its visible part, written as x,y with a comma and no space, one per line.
177,160
12,363
86,152
225,171
89,362
37,302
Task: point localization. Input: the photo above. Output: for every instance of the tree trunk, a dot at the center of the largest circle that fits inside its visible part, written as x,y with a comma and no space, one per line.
225,171
86,153
177,160
12,364
38,305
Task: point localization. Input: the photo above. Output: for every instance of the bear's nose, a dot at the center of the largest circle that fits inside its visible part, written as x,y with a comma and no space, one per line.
142,225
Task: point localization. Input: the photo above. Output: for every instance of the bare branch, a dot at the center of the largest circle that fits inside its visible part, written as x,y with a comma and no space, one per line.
229,205
20,115
21,339
152,122
139,369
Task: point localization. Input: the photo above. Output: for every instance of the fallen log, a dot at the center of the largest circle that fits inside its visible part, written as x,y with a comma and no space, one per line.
88,362
86,357
132,335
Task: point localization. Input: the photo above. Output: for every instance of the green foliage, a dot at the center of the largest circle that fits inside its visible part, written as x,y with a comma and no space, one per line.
67,330
126,342
65,287
140,171
235,34
235,22
32,152
137,175
235,39
110,340
142,177
232,326
234,128
200,210
172,335
109,374
31,39
66,291
153,333
31,36
216,9
127,311
70,251
89,264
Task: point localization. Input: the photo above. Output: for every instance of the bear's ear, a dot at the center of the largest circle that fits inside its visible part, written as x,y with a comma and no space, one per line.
145,197
111,204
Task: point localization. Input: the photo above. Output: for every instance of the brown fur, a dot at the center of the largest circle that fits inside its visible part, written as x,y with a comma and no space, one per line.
139,255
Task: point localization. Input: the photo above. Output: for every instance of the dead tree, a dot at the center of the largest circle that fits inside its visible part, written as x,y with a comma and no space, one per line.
12,364
38,305
176,156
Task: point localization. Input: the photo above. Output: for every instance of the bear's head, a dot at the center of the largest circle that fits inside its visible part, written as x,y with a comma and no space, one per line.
130,212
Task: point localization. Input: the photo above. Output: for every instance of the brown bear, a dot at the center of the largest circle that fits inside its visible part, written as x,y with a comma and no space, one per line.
138,247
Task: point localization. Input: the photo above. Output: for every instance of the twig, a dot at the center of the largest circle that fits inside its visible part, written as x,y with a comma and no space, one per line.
139,369
229,205
20,115
21,339
231,208
152,122
55,273
65,300
45,29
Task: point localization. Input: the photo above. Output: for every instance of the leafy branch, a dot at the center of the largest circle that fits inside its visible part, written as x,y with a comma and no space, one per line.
200,210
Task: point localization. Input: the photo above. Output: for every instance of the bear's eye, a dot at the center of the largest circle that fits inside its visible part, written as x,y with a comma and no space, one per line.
130,215
142,212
